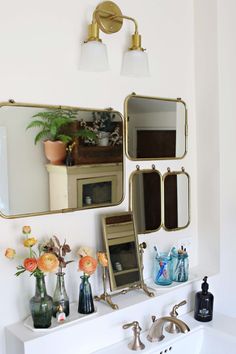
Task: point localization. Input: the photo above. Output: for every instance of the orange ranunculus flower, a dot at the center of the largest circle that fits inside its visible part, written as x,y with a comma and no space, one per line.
30,264
102,259
88,265
10,253
26,229
48,262
29,242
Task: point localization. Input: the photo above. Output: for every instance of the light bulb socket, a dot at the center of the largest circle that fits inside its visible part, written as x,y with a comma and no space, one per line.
136,42
93,32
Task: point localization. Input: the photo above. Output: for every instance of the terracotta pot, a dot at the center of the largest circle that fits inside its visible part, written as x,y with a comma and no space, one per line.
55,151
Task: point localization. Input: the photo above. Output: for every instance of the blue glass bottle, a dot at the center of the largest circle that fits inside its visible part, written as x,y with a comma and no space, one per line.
163,269
86,305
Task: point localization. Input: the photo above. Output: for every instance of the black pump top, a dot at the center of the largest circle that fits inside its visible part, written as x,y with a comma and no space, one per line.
205,285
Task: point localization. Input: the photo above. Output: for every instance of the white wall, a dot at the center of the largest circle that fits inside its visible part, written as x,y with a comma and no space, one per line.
227,129
40,45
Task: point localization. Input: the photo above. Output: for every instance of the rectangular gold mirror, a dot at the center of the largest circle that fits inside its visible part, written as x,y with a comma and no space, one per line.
122,250
156,128
89,176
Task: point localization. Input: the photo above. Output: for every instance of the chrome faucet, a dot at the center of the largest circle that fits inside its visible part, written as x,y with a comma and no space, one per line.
155,333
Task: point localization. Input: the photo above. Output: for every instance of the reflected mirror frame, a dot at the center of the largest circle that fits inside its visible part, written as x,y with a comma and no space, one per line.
131,208
113,286
12,103
126,121
176,173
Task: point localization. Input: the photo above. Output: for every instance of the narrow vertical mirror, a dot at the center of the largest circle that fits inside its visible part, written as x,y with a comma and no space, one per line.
145,199
156,128
176,200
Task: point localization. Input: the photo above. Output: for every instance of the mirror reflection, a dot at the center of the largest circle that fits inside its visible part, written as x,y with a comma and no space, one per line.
156,128
89,175
122,250
145,200
176,200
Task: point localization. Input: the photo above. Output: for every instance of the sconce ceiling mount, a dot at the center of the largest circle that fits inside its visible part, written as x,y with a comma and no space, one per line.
109,17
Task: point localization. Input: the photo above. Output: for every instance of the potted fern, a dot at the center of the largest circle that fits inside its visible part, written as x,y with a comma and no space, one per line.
52,125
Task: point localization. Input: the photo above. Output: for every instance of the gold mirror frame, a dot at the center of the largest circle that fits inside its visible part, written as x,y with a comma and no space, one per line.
12,103
126,118
176,173
119,229
138,171
132,202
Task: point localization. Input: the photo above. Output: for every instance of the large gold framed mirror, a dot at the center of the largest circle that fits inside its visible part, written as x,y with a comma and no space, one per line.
160,201
145,199
156,128
31,185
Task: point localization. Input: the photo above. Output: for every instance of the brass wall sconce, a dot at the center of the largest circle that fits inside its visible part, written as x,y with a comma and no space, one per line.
108,18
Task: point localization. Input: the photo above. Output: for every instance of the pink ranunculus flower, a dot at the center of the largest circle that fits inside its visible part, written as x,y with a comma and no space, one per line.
30,264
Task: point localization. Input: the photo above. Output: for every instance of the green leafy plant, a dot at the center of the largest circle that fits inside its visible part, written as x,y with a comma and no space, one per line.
51,123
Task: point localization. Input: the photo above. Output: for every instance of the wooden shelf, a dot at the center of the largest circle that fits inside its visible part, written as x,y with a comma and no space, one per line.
125,271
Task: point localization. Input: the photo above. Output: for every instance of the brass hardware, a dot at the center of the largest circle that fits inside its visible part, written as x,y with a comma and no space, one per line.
11,100
109,17
129,127
153,167
136,343
155,333
168,169
105,296
120,238
137,167
172,328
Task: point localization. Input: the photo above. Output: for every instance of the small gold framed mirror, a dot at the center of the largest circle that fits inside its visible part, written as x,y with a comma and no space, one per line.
145,199
160,201
156,128
122,250
176,206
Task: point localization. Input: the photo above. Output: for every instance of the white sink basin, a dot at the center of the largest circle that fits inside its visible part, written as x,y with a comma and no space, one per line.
203,340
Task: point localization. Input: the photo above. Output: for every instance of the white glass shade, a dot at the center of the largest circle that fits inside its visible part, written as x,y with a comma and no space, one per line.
93,57
135,63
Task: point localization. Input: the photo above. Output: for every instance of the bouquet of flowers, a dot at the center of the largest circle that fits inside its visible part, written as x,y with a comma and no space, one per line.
36,264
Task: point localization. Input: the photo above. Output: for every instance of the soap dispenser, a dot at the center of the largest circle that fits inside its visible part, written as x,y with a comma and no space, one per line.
203,311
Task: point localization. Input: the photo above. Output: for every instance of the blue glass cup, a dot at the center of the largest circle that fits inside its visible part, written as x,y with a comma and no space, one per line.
163,269
180,267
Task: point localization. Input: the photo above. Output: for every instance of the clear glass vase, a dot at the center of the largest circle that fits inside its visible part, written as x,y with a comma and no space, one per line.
41,304
86,304
60,298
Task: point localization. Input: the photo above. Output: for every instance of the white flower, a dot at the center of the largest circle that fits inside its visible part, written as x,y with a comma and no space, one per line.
85,251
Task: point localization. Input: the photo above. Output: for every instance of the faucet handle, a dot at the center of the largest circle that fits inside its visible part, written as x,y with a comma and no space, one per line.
136,343
174,312
172,328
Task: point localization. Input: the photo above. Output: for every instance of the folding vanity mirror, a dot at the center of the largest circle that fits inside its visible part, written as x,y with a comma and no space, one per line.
30,185
160,201
123,252
156,128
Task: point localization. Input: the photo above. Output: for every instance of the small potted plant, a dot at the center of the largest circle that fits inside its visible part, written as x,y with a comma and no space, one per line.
51,125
